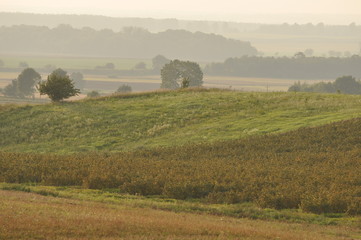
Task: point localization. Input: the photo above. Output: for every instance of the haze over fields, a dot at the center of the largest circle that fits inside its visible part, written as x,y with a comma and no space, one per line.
259,11
180,119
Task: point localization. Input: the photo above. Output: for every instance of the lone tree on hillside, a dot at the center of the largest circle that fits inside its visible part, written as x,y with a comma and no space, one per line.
58,86
181,74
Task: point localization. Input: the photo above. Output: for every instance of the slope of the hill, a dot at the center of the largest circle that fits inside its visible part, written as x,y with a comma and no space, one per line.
316,169
170,118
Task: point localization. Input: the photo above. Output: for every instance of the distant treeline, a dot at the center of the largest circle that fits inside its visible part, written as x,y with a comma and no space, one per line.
298,67
311,29
159,25
128,43
101,22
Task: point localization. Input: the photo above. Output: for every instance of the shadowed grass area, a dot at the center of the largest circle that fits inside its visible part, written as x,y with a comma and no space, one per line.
165,118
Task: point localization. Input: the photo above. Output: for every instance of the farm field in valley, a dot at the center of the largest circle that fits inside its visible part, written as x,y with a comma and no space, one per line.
198,163
109,84
33,216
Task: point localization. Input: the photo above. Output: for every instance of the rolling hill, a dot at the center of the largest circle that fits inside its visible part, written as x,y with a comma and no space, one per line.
315,169
165,118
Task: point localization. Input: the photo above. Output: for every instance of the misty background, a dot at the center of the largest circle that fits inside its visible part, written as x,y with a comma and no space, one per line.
255,46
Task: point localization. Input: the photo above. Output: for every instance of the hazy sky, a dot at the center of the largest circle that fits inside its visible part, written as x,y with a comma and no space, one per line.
236,10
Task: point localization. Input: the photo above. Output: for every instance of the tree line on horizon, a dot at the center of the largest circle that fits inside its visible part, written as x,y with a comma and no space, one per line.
159,25
130,42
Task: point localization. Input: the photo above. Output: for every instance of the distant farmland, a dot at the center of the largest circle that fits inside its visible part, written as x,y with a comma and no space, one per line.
72,62
145,83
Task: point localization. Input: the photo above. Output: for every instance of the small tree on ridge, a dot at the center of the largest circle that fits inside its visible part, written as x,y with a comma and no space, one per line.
58,86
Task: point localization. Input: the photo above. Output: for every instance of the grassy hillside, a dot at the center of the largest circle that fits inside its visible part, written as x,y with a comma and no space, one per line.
314,169
170,118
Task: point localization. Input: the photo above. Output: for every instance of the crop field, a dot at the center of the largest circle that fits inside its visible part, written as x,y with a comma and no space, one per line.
32,216
253,84
284,44
145,83
279,172
320,175
185,164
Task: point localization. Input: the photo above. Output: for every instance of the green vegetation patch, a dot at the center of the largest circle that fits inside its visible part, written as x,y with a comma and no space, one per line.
170,118
313,169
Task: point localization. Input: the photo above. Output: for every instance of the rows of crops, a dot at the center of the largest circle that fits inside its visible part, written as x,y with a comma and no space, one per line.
315,169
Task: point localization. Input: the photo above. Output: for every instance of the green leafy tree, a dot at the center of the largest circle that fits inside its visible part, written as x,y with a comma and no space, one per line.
159,61
348,85
59,72
176,71
11,89
185,83
124,89
23,86
93,94
23,64
109,66
299,55
78,79
140,66
26,82
58,86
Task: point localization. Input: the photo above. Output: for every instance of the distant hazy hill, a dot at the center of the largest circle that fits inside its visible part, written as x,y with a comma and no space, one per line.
116,24
269,39
129,43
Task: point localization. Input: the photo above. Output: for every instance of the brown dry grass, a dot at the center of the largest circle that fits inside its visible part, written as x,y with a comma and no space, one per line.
31,216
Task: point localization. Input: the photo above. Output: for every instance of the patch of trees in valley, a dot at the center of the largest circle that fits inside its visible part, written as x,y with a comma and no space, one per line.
345,85
297,67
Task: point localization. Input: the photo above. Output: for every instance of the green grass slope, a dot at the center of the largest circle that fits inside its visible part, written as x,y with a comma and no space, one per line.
170,118
313,169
